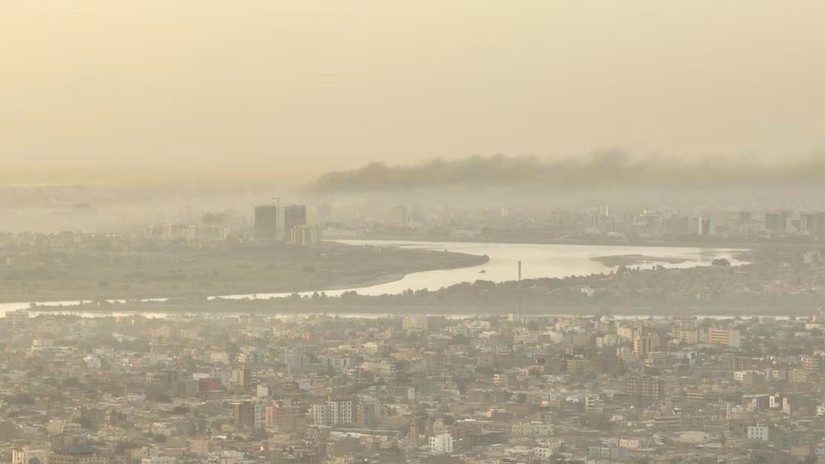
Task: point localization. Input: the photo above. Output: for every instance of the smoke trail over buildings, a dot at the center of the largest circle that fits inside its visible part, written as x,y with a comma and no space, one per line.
607,170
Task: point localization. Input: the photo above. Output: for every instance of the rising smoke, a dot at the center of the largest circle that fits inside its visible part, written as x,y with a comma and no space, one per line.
605,170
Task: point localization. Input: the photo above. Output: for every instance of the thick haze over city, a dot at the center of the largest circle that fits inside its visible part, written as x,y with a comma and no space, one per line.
412,232
293,89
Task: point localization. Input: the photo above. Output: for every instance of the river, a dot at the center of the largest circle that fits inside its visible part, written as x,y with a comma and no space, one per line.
538,260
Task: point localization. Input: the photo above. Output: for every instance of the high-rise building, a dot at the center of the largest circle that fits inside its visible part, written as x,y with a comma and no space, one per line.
266,225
642,345
706,226
17,318
321,414
244,414
441,444
287,419
333,412
295,360
294,215
726,337
242,377
813,224
345,411
776,221
645,387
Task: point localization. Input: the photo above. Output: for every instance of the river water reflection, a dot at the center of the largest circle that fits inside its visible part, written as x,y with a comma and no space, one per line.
538,260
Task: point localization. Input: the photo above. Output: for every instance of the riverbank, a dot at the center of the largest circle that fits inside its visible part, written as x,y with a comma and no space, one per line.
692,242
735,291
635,260
439,265
128,271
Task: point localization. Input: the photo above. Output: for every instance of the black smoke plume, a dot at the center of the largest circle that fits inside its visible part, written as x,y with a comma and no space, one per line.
607,170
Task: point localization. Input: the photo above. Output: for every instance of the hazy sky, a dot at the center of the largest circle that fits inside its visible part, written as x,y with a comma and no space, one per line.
314,85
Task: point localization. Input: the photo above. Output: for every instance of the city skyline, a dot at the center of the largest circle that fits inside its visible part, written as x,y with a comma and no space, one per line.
427,232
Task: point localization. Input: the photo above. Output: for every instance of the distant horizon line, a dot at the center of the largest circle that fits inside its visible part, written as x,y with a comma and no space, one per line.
23,175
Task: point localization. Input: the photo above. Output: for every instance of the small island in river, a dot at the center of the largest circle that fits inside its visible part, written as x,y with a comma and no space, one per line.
636,260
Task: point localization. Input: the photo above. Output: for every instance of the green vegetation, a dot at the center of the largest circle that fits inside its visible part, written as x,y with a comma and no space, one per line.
776,281
51,268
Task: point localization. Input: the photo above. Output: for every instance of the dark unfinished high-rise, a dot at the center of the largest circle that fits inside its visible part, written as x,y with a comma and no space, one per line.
294,215
266,225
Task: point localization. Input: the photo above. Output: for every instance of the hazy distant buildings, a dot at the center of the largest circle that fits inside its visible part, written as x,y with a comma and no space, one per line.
323,213
648,223
602,223
399,215
303,235
776,221
414,322
813,224
706,227
702,226
188,232
19,317
725,337
266,225
294,216
677,225
295,230
295,360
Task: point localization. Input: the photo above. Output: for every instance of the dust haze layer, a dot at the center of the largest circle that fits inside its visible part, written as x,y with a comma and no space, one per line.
312,86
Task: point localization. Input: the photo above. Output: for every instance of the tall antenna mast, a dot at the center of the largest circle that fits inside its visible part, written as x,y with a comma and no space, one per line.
519,288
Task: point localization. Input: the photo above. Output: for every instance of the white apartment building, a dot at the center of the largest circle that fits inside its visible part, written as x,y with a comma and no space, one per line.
759,432
441,444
